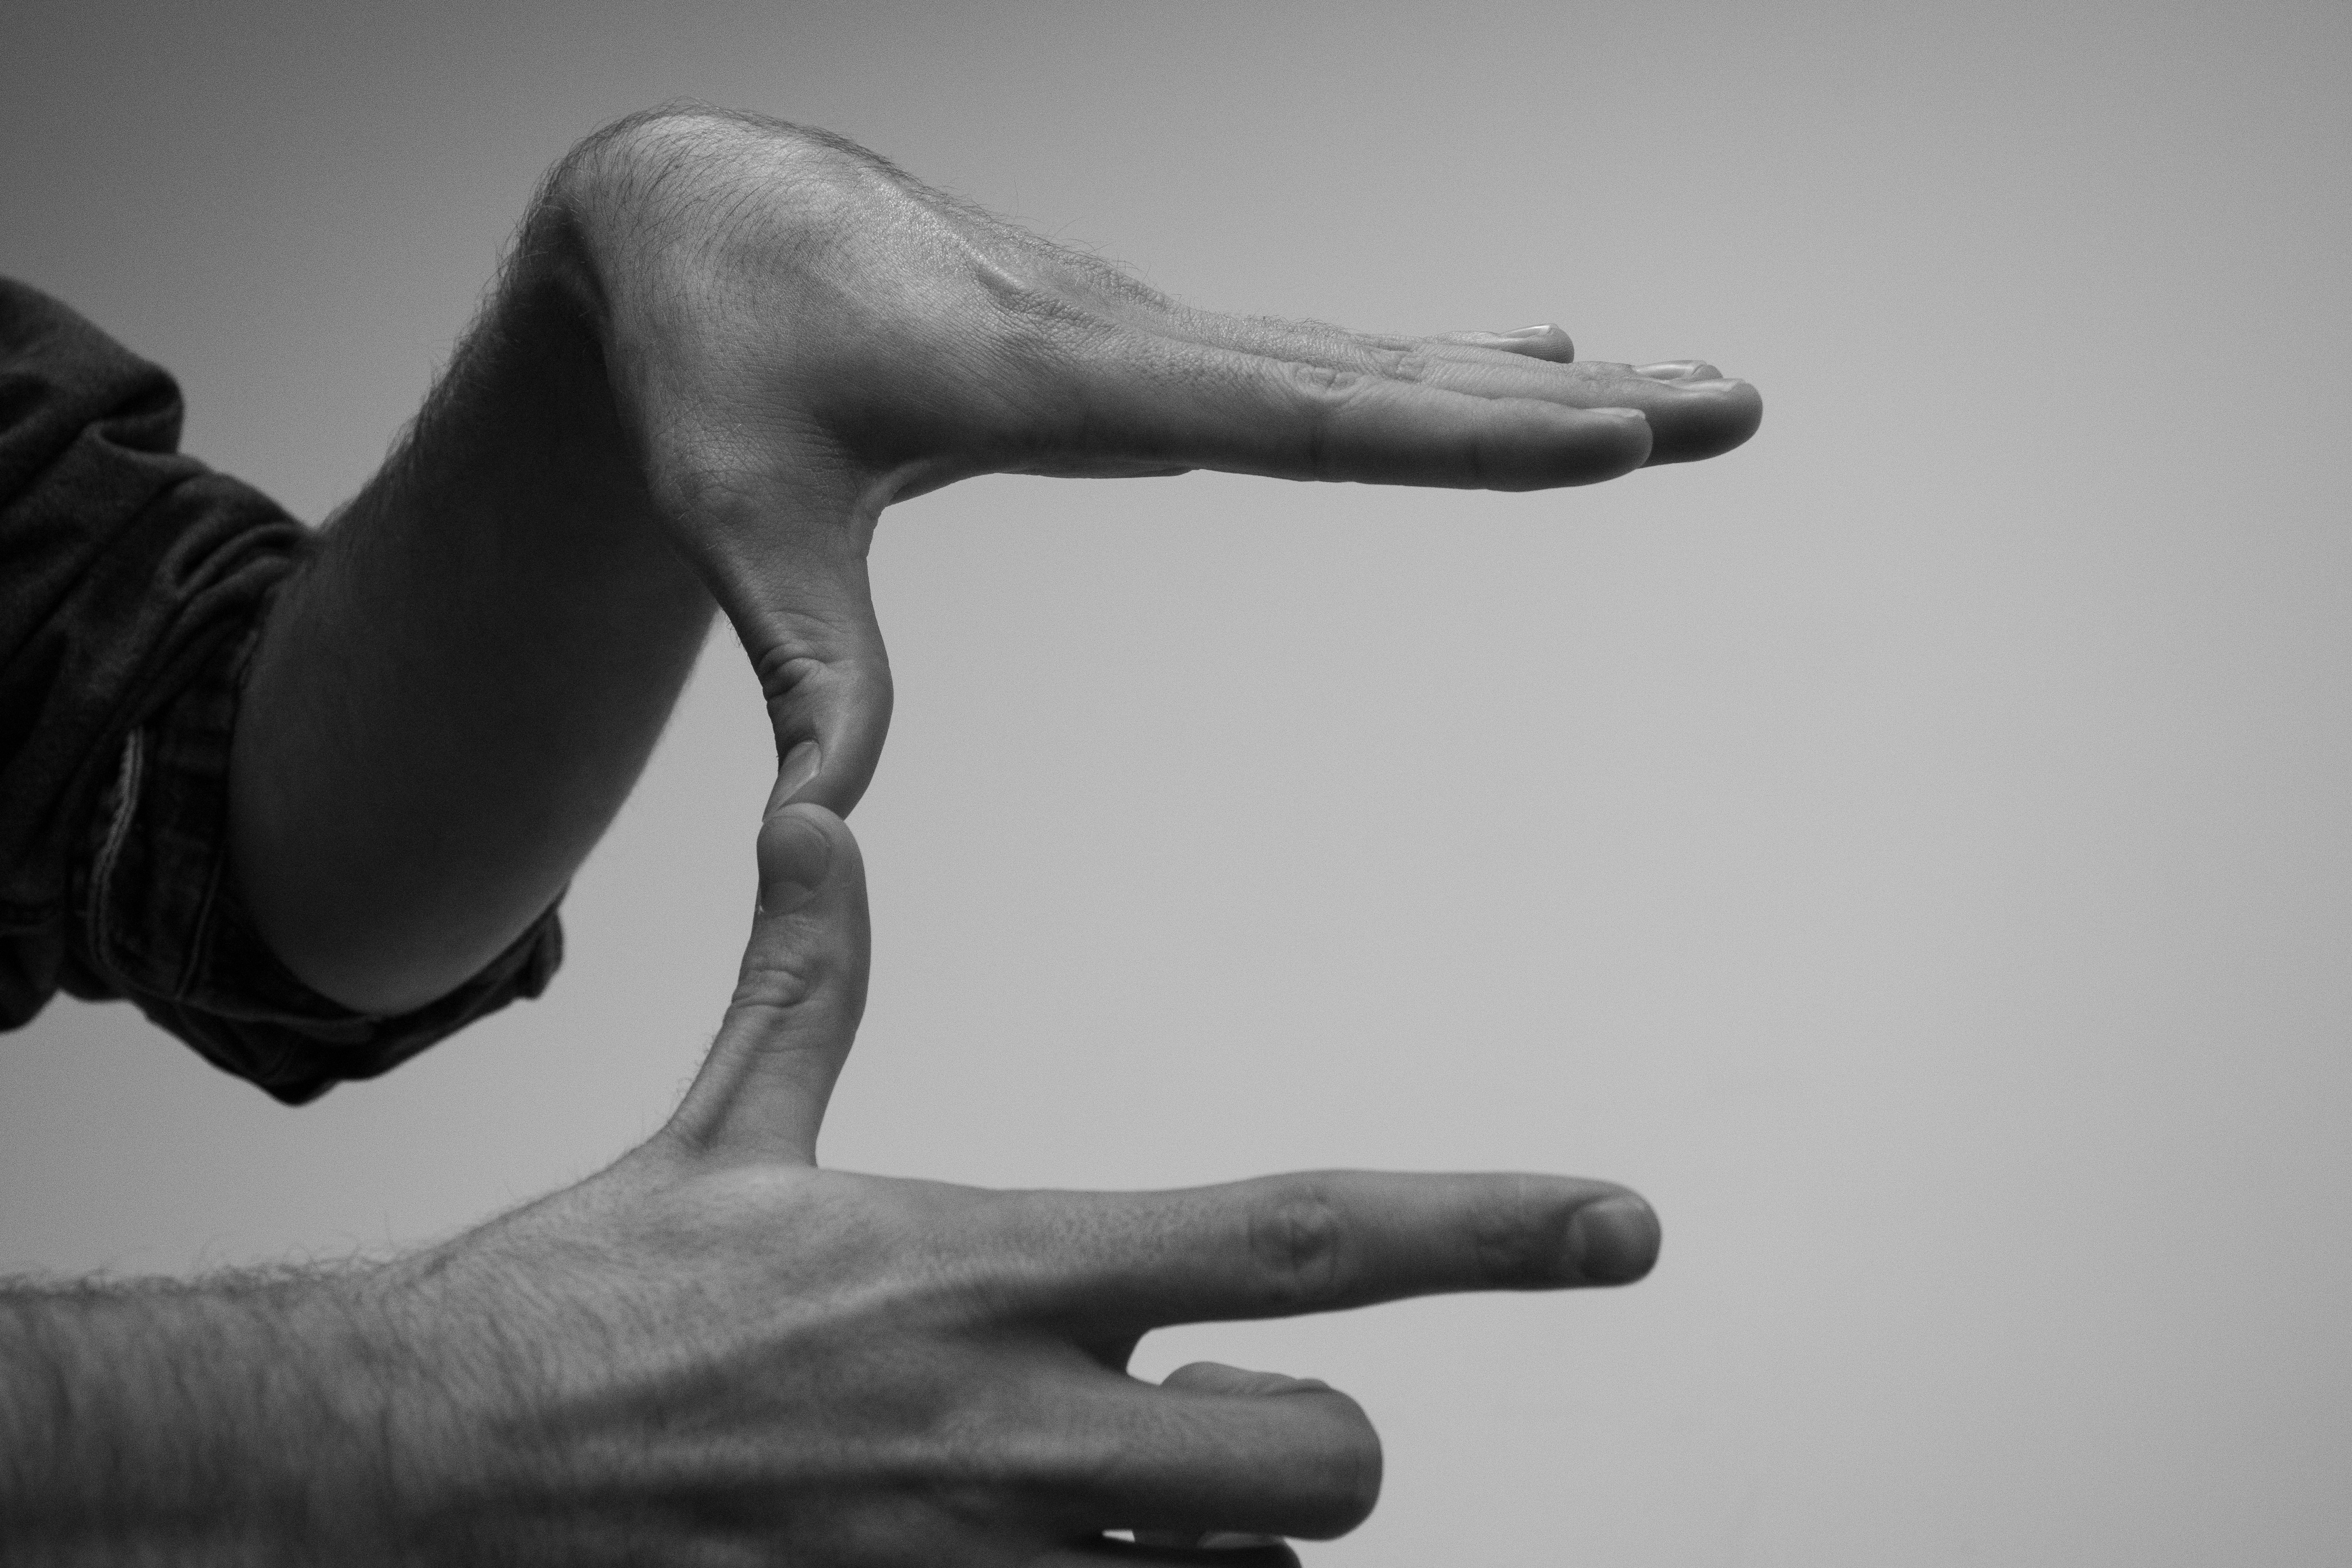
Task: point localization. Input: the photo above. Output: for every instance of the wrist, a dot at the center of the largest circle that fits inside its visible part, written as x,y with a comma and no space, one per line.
660,227
506,1438
446,707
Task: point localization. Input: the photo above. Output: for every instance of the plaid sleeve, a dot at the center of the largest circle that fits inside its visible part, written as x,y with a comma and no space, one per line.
135,582
165,926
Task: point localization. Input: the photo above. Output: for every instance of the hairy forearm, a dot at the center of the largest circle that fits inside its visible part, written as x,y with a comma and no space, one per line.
454,698
240,1420
390,1413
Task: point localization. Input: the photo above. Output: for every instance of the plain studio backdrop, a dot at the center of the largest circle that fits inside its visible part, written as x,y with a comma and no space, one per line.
1916,850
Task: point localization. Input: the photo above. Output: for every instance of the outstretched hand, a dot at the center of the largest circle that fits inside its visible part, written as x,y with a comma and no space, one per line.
718,1346
800,333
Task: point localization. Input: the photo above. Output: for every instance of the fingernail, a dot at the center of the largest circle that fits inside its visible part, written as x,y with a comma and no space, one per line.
794,855
1634,415
801,765
1541,329
1716,384
1676,370
1614,1240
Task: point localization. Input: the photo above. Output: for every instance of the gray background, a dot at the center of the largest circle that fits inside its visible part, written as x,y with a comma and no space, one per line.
1915,850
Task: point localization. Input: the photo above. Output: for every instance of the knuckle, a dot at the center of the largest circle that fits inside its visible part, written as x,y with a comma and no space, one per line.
816,664
792,668
1298,1242
781,982
1325,384
1325,393
1398,361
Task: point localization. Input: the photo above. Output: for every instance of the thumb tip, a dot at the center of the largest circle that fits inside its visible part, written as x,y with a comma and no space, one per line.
795,856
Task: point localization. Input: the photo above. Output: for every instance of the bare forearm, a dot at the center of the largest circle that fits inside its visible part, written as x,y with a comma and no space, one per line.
236,1421
487,1401
377,1416
452,700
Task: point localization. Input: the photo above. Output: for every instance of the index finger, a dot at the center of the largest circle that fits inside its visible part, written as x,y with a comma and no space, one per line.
1324,1241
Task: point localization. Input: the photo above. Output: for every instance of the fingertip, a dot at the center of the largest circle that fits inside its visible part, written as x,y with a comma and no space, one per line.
1707,418
1614,1240
795,856
1742,397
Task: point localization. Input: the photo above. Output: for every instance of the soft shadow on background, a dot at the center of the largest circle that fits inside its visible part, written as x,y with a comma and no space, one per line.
1915,850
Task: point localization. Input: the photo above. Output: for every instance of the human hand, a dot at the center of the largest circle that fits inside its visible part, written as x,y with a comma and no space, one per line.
716,1350
799,334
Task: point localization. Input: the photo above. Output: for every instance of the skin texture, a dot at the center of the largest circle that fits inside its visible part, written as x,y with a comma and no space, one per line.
722,346
717,1352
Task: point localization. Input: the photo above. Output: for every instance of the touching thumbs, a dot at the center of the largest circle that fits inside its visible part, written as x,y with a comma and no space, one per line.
762,1090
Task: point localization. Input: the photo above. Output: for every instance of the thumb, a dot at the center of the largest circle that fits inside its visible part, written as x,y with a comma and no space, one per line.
778,522
827,679
762,1088
1216,1378
798,594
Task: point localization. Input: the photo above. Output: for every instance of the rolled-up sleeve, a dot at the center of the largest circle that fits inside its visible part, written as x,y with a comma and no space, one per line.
133,581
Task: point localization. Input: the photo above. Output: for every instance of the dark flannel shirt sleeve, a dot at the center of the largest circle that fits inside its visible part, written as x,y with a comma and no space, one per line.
132,585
